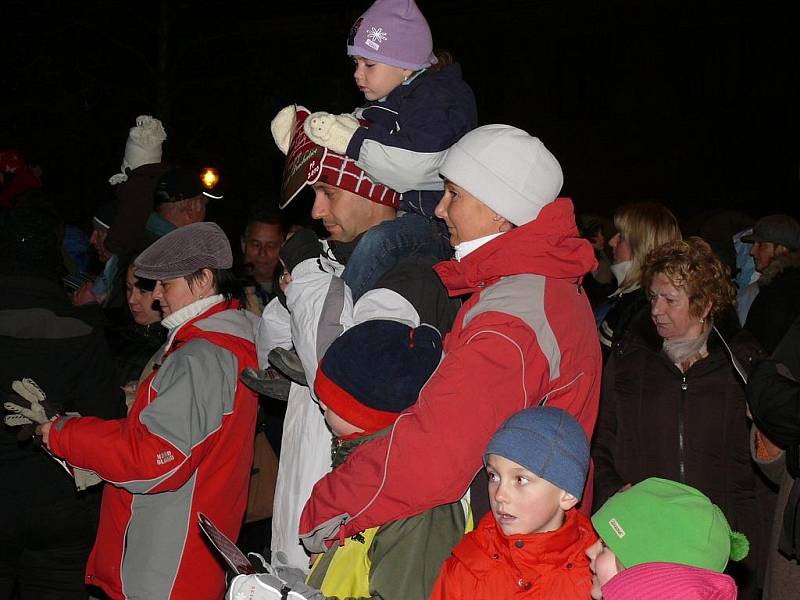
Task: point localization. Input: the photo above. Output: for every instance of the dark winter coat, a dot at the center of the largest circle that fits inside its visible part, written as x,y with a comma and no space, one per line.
625,308
773,392
45,338
690,427
777,304
135,203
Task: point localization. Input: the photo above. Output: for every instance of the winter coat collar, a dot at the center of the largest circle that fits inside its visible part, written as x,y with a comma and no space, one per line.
548,245
777,267
531,555
399,93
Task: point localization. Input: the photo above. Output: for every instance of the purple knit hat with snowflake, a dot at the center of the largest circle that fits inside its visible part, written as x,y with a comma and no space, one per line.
393,32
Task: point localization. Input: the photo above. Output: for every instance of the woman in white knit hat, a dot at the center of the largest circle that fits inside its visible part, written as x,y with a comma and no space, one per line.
525,336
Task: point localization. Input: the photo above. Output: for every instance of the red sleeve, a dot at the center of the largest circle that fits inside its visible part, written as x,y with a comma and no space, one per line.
123,452
436,447
157,448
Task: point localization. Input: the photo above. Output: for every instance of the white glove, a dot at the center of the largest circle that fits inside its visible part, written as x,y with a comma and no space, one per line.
33,394
267,587
282,127
331,131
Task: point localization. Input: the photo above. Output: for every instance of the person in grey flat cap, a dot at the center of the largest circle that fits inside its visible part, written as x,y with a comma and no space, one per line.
180,451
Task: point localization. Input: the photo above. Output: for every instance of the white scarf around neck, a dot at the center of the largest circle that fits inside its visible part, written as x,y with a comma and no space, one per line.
465,248
190,311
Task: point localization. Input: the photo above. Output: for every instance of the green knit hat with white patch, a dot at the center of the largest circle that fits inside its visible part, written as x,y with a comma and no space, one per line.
659,520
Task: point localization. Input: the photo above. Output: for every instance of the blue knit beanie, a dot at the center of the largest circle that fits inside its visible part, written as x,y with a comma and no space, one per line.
547,441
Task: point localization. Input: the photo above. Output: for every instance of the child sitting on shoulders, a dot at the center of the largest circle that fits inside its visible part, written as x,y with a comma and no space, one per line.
417,107
662,539
533,542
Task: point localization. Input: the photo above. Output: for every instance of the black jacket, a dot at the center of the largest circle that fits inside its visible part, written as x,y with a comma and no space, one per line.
46,339
773,393
777,304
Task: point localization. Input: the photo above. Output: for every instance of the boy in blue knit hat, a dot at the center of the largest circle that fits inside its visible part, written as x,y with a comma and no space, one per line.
532,543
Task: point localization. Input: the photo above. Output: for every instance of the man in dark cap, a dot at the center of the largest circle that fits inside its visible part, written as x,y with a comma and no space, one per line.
181,198
46,529
180,450
776,252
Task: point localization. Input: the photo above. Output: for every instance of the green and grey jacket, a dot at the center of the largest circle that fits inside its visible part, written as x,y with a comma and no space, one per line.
399,560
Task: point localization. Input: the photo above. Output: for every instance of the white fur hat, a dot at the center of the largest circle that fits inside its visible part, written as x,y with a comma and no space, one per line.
507,169
143,146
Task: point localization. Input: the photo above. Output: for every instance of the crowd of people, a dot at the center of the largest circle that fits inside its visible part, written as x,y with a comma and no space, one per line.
460,390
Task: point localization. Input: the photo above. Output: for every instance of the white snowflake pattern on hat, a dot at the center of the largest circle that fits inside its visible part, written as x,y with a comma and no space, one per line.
376,36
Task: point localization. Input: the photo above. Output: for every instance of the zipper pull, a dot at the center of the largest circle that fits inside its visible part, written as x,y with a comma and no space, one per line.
684,385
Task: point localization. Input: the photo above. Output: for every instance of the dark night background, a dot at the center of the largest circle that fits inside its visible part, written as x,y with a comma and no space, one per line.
691,103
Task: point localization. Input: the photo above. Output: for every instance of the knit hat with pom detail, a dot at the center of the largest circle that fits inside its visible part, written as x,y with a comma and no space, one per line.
393,32
658,520
375,370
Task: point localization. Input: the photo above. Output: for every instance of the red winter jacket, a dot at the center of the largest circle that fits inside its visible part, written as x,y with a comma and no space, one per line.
487,564
526,336
180,451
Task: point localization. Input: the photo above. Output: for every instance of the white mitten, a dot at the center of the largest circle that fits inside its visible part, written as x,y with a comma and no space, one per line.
282,127
143,146
331,131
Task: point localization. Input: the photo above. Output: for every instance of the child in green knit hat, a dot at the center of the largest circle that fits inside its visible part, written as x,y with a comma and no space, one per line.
658,520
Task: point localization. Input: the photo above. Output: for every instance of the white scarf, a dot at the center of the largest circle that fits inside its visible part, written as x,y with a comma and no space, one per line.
620,270
190,311
465,248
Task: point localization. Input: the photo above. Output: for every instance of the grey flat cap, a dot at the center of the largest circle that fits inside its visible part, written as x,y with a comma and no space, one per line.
778,229
184,251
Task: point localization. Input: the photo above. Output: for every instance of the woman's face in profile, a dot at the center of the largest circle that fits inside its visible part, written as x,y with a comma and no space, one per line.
467,218
140,301
670,310
620,248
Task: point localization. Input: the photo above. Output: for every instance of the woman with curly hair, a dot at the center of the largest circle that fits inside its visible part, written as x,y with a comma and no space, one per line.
672,403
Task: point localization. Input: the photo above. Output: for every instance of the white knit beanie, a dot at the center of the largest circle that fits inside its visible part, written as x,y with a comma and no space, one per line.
507,169
143,146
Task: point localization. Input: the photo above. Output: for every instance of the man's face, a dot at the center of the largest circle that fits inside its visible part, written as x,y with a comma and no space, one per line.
764,253
260,247
344,214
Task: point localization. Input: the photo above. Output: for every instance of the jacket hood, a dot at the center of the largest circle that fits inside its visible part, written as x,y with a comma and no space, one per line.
654,581
549,245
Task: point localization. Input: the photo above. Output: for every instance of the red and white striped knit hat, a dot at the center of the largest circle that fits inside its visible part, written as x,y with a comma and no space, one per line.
307,163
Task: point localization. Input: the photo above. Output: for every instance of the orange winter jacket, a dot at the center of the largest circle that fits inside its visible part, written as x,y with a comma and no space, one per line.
487,564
